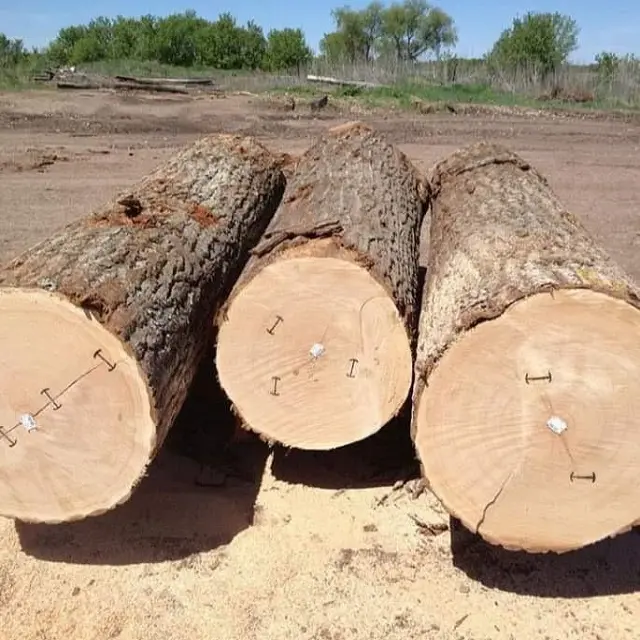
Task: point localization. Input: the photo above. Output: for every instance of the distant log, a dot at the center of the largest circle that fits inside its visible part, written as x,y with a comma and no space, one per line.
122,86
86,86
526,394
45,76
166,81
103,325
154,88
315,345
345,83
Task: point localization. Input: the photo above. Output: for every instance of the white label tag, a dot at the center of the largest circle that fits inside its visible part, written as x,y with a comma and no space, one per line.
28,422
316,350
556,424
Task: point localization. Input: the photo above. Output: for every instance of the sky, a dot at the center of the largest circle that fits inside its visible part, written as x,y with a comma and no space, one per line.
616,29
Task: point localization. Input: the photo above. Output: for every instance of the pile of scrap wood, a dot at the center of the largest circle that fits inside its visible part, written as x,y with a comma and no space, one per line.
520,358
70,78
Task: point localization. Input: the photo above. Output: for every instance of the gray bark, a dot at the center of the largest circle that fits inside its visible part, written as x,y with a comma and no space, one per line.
356,189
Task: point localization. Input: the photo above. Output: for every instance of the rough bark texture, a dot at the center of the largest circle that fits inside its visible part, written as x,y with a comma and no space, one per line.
153,265
362,192
499,234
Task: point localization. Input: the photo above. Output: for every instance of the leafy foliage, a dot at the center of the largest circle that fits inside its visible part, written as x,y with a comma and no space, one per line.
607,65
181,39
404,31
12,51
287,49
541,42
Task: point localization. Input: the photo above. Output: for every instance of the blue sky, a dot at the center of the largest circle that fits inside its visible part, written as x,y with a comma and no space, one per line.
616,28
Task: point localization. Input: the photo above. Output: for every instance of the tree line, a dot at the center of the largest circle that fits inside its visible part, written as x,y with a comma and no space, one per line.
409,31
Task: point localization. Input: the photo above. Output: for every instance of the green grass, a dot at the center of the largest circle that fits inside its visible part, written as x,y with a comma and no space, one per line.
21,76
148,68
405,95
16,78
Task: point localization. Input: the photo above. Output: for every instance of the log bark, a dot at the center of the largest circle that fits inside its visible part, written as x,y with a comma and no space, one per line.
526,379
153,88
122,86
315,342
166,81
103,325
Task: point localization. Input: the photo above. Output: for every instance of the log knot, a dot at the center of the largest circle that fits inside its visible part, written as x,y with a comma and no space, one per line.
203,216
132,206
47,284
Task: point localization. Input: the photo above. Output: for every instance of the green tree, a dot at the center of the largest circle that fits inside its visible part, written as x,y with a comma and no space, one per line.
541,42
347,43
287,49
334,47
87,49
254,46
12,51
61,49
356,35
607,65
96,42
126,38
409,29
440,31
219,43
176,38
106,39
414,27
405,30
146,29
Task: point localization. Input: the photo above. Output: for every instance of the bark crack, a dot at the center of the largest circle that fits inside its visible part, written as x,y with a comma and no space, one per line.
274,239
493,500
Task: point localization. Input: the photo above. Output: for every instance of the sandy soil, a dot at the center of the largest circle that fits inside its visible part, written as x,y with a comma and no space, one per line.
293,545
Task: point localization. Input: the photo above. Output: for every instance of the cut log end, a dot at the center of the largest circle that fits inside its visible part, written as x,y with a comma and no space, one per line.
528,432
314,351
63,376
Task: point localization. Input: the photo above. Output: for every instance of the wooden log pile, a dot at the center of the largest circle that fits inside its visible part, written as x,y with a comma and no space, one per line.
72,79
519,358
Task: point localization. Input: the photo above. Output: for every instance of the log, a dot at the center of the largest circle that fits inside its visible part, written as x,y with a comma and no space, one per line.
526,393
315,342
166,81
86,86
122,86
103,325
153,88
360,84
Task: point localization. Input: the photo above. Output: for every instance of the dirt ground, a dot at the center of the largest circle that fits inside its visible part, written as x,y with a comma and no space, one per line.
294,545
